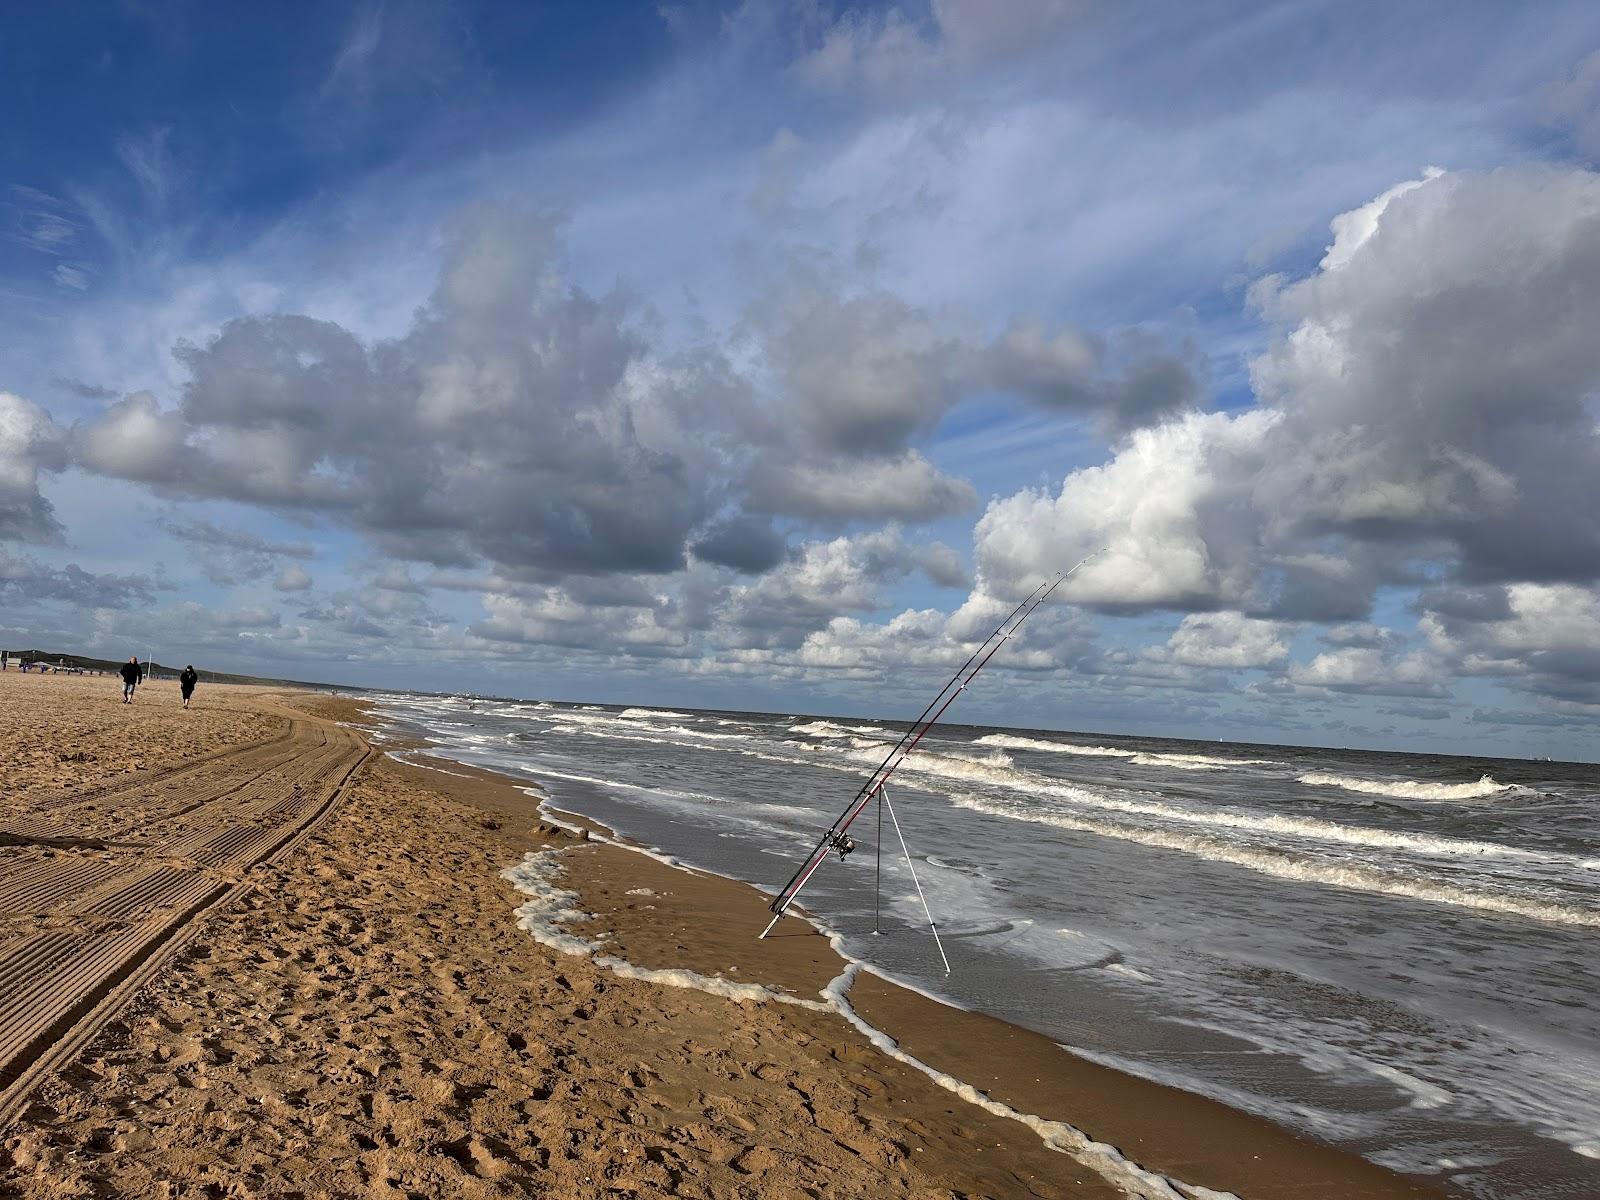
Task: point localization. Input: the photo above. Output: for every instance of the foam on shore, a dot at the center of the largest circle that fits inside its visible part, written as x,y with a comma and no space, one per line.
1057,1135
549,908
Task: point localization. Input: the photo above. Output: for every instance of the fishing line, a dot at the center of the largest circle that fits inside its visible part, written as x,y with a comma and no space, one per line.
835,838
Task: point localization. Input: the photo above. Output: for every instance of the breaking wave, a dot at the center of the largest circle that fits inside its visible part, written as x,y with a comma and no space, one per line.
1198,762
826,729
998,770
1411,789
1007,742
993,767
654,714
1304,868
704,734
1144,758
820,729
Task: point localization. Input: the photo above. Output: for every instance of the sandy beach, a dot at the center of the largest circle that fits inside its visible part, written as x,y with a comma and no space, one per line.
353,1007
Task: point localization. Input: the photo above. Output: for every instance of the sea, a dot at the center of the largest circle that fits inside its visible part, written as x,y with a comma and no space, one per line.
1395,953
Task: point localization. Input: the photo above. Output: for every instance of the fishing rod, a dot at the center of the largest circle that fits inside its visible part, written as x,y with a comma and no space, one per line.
836,837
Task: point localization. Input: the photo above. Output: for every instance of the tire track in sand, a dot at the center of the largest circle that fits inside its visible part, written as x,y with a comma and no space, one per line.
97,891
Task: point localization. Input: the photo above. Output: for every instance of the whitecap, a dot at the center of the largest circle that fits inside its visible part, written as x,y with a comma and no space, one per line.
1145,758
820,729
1306,868
1009,742
1410,789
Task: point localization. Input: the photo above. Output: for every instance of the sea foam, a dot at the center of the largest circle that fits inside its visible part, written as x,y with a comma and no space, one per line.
549,908
1057,1135
1410,789
1145,758
1303,868
998,770
1009,742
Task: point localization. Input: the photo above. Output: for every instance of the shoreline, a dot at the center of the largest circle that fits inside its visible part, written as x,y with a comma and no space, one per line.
369,1018
1191,1139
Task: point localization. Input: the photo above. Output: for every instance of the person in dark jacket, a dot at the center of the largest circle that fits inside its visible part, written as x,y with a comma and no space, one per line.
130,678
186,682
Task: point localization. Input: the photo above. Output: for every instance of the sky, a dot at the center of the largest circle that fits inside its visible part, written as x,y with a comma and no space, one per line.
763,355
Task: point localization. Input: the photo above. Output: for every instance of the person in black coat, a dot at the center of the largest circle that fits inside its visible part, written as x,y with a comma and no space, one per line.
186,682
130,678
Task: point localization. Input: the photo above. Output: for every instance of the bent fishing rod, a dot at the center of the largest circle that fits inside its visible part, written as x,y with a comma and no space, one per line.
836,837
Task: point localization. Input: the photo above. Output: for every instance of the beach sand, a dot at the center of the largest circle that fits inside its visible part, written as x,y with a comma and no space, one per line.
366,1018
74,730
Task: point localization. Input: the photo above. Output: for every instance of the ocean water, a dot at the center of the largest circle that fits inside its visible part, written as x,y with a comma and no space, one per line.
1396,953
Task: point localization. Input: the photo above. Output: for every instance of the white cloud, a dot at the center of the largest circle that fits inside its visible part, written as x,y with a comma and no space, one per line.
30,443
293,578
1228,640
1353,229
1172,509
1427,398
1371,672
907,488
1543,638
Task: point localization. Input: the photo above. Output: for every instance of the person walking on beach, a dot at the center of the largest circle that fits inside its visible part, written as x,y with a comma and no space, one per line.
130,678
186,682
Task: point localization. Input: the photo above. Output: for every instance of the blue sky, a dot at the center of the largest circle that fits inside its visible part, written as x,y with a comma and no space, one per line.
756,355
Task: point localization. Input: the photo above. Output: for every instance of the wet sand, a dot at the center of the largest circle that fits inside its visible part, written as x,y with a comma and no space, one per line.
367,1018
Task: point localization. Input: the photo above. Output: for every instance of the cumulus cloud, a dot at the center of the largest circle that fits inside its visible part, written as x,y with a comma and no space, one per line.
746,544
1436,382
524,423
1353,229
25,581
1541,638
1136,382
860,377
937,643
1373,672
1426,399
1423,414
555,618
904,488
293,578
822,580
1228,640
860,373
398,619
30,443
520,420
707,614
1172,509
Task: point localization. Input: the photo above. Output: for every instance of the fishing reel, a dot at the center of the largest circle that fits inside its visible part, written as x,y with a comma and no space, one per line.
843,843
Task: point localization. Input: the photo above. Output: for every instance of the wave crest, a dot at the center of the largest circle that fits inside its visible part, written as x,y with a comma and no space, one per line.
1309,868
1144,758
1007,742
1410,789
